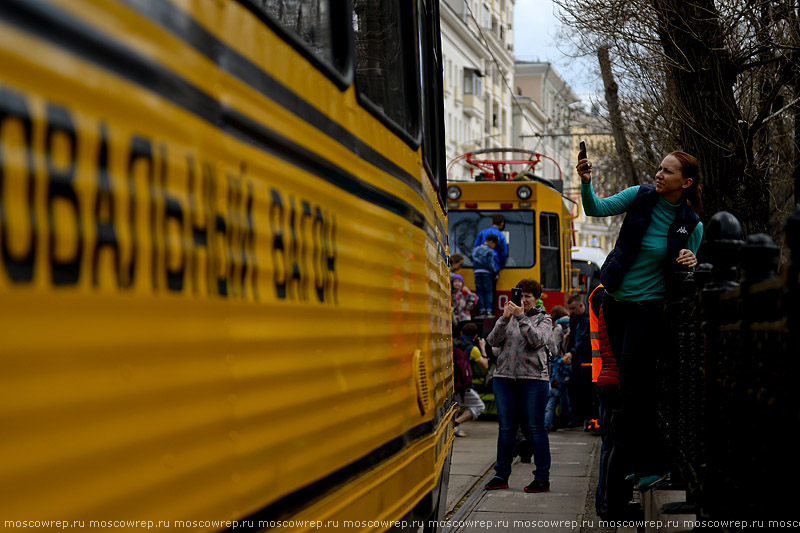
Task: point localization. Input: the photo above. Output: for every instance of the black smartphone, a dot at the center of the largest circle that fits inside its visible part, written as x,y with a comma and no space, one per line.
516,296
582,153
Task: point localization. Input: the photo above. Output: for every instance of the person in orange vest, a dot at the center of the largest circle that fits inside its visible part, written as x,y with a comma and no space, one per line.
595,312
595,309
595,304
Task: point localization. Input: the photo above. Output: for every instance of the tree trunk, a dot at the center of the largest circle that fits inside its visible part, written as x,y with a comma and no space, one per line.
795,17
615,115
712,128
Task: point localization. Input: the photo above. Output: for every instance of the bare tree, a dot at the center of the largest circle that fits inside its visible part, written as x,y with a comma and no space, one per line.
717,79
615,115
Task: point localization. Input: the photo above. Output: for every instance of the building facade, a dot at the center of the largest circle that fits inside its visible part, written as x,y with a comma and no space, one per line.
478,62
541,83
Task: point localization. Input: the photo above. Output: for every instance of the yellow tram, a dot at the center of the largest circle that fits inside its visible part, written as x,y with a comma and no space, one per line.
224,282
537,216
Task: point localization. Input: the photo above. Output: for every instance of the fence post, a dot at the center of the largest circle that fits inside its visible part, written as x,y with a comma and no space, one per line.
792,277
786,365
723,242
678,370
751,373
697,426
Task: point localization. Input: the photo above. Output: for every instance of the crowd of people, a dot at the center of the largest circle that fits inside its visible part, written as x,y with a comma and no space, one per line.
594,362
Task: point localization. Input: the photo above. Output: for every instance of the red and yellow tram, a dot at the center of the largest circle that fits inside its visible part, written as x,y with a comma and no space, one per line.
537,217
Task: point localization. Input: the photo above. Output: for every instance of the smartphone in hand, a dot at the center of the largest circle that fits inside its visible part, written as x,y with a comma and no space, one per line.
583,169
516,296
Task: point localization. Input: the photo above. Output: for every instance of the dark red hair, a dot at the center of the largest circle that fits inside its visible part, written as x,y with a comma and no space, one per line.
690,168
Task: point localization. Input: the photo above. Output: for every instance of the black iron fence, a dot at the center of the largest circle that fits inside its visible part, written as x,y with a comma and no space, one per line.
730,409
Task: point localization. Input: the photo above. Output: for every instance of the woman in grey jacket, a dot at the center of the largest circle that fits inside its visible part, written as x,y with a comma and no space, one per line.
522,339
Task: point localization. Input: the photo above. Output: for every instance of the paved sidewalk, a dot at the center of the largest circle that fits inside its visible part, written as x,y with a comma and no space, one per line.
473,456
572,483
569,506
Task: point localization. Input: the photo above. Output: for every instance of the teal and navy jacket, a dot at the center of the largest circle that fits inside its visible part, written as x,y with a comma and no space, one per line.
652,234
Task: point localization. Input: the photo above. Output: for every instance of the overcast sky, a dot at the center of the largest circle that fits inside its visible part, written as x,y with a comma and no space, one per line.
535,28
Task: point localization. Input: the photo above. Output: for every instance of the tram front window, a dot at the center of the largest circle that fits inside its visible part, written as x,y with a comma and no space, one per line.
520,233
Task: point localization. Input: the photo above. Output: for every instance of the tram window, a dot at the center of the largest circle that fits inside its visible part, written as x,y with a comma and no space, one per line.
313,23
520,233
432,97
386,62
550,251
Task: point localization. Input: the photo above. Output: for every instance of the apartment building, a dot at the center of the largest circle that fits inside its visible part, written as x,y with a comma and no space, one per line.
542,92
478,62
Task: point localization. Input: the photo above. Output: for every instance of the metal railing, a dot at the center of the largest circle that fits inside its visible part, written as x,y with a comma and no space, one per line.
731,376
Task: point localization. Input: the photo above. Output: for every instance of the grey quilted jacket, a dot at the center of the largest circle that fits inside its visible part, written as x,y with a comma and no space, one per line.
523,345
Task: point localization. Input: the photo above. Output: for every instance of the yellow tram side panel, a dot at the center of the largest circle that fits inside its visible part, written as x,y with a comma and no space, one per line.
413,468
120,409
232,24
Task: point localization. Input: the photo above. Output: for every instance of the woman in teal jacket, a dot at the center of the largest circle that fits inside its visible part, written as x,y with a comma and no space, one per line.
661,232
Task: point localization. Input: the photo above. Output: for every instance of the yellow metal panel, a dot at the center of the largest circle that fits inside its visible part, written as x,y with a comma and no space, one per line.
282,62
238,28
126,397
383,488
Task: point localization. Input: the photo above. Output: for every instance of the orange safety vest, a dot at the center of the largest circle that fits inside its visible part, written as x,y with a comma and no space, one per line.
594,337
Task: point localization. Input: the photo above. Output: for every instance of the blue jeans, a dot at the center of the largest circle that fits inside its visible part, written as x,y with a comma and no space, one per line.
484,288
521,403
550,410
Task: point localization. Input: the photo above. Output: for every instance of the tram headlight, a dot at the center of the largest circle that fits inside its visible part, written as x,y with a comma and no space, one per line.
524,192
453,192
